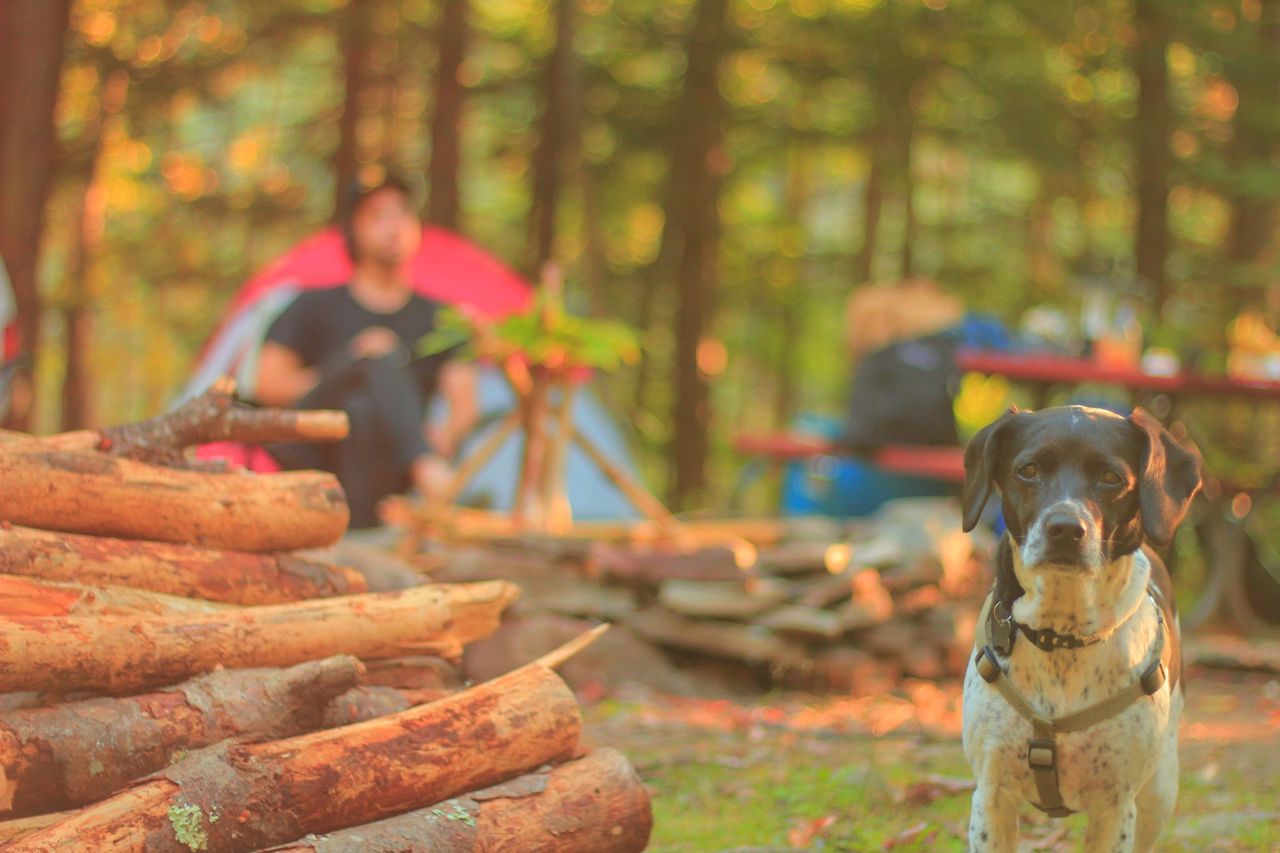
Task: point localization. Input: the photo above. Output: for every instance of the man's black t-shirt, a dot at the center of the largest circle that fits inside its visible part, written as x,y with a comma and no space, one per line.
320,325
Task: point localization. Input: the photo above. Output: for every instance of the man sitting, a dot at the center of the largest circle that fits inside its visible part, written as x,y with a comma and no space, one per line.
354,348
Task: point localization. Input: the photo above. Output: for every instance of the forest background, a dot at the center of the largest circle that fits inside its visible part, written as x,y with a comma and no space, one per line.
717,173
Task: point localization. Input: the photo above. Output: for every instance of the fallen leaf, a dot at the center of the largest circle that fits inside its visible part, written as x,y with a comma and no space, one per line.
935,788
914,833
803,833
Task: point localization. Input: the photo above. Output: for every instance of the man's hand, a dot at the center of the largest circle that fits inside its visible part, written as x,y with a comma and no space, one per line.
432,476
374,342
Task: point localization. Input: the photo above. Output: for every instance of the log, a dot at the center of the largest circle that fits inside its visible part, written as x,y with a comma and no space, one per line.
243,797
77,753
595,804
731,599
571,596
812,623
90,492
234,577
366,703
750,643
421,672
24,826
216,415
26,597
650,568
118,654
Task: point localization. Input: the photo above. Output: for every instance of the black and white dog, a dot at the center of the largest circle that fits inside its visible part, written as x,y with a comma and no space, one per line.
1073,697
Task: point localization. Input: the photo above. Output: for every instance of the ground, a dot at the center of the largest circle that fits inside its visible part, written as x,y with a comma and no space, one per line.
888,772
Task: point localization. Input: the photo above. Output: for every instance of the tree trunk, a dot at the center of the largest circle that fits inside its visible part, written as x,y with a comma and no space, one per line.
907,146
83,751
793,297
278,791
233,577
121,653
31,39
699,156
1152,125
77,319
557,129
596,804
444,204
91,492
355,64
872,202
1253,209
24,597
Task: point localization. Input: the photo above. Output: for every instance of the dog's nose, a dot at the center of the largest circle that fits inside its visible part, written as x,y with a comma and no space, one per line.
1064,529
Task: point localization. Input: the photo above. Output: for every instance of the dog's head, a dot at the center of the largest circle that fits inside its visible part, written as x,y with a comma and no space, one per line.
1080,486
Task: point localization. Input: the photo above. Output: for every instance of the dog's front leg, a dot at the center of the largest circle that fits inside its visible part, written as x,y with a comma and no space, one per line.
993,820
1112,831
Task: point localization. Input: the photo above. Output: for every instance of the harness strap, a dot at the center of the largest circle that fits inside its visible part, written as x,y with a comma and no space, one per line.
1042,750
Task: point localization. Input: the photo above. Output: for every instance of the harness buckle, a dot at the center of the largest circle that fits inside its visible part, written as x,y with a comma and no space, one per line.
1153,679
1042,754
987,665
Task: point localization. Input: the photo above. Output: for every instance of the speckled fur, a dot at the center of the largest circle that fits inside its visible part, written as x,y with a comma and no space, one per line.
1123,772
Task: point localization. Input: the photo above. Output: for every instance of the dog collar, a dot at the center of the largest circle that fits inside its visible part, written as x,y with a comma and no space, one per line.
1002,628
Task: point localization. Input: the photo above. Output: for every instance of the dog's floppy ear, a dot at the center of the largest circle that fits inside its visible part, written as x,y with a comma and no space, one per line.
1168,478
980,468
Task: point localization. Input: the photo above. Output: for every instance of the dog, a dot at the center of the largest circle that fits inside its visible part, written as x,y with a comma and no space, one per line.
1073,697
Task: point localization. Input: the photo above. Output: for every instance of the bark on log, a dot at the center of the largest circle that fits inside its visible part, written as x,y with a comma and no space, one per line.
596,804
650,568
124,653
90,492
366,703
26,597
11,830
242,797
233,577
77,753
216,416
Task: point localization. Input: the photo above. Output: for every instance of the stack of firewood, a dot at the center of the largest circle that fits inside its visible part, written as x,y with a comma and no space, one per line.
175,677
813,602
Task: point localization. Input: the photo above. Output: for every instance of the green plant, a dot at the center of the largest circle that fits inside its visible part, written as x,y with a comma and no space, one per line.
545,333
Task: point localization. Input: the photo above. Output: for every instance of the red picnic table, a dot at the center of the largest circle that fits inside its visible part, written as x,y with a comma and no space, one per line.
936,463
1048,369
1226,596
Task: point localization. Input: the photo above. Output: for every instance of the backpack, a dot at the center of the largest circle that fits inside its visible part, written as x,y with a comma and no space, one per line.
902,394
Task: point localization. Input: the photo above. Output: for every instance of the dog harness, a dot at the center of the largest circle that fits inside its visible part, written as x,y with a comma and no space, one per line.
1042,750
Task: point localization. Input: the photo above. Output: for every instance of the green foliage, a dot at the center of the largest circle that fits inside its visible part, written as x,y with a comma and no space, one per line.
545,333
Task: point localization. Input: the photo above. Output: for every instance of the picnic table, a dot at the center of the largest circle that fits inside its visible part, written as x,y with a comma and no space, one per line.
1222,532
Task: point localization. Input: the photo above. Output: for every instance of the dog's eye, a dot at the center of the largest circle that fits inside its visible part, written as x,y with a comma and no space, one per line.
1111,478
1029,471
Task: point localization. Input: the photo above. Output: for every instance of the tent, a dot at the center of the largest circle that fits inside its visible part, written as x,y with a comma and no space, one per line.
448,269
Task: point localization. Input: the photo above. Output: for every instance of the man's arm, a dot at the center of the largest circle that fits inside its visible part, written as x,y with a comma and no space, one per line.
282,378
458,388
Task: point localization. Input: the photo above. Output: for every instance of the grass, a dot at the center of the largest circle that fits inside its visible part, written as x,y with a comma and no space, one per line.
725,784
